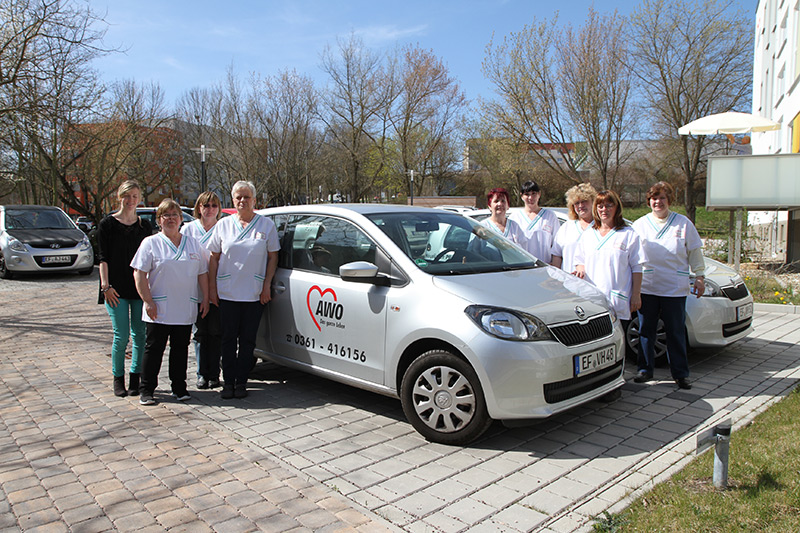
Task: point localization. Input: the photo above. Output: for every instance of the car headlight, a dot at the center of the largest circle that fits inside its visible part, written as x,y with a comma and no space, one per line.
17,246
85,244
507,324
712,289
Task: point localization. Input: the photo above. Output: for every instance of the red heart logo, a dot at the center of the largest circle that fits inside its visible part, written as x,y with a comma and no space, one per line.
321,294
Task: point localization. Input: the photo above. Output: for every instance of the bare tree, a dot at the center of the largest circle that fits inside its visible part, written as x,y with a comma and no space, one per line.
529,110
356,110
596,88
689,66
429,106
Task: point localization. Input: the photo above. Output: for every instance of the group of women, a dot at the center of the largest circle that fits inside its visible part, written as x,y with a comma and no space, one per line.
641,268
214,274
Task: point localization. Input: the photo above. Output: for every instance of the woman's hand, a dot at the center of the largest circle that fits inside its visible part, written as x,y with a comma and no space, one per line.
699,287
580,271
112,297
266,293
636,302
151,309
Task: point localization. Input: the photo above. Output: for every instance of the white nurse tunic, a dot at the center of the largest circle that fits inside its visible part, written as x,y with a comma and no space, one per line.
243,256
172,273
610,263
565,243
667,247
512,231
539,231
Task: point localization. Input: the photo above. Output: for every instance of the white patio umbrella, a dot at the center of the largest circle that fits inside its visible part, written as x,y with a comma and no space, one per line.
730,122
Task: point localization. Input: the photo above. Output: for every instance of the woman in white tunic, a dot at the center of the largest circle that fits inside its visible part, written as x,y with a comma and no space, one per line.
170,272
579,210
673,248
610,256
498,201
208,332
539,225
244,257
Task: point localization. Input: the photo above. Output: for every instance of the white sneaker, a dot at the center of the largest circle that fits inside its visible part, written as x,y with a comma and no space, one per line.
183,397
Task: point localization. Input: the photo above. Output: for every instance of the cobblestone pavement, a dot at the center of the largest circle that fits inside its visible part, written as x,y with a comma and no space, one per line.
306,454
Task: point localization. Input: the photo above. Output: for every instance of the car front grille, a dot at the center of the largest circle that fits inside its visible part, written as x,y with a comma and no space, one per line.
575,333
732,328
735,293
570,388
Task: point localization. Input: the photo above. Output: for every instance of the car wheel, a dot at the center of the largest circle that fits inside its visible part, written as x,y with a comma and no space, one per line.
5,273
443,399
633,342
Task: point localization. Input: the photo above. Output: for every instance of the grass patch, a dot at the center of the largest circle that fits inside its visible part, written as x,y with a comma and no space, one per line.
763,493
766,288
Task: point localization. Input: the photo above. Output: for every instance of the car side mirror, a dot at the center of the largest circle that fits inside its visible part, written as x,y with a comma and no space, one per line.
362,272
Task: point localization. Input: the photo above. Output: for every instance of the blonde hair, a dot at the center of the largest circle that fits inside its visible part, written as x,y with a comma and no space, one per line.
127,186
579,193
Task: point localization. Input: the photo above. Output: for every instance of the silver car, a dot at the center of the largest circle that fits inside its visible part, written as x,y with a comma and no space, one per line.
723,315
37,238
428,306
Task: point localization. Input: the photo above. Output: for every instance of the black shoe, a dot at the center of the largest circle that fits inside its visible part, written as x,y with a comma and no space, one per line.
227,392
119,386
147,399
643,377
202,383
214,384
683,383
240,391
181,396
133,386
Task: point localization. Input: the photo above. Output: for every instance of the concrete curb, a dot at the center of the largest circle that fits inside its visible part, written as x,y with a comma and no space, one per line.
777,308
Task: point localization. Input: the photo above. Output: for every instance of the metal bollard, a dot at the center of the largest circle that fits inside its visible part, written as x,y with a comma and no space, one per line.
722,434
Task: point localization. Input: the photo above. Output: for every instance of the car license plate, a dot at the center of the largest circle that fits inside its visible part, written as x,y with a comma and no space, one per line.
744,311
55,259
589,362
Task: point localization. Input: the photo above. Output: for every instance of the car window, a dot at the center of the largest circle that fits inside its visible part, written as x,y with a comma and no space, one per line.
449,243
33,219
322,244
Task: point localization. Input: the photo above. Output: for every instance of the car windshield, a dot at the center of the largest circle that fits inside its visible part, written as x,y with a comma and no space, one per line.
37,219
449,244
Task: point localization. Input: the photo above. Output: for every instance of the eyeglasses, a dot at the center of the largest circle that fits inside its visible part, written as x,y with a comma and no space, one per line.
210,205
171,215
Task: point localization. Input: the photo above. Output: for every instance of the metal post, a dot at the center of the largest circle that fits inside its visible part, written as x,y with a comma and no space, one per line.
411,172
202,168
737,248
722,433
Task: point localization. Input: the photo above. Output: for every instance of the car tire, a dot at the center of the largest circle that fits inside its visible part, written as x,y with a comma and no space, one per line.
443,399
632,342
5,273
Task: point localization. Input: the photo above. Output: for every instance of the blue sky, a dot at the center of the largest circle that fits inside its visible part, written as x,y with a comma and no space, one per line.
183,44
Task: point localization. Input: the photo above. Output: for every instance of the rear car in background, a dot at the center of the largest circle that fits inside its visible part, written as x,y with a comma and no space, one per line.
723,315
37,238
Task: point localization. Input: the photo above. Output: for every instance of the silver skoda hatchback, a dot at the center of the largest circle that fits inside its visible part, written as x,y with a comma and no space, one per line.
429,306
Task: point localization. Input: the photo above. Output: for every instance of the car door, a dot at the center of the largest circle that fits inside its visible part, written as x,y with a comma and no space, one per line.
315,317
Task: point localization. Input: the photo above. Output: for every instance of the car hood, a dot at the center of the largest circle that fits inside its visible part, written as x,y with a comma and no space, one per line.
721,274
46,238
547,293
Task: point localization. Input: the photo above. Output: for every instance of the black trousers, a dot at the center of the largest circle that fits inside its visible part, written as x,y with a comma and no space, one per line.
154,346
240,322
209,337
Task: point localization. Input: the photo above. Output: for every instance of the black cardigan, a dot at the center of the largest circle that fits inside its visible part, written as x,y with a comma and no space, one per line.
117,244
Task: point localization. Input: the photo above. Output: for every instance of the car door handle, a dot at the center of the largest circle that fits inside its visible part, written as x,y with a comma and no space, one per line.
279,287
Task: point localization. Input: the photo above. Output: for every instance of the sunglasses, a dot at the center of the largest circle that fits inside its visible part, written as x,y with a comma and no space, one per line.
210,205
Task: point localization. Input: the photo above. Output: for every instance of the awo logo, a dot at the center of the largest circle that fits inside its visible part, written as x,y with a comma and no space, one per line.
325,309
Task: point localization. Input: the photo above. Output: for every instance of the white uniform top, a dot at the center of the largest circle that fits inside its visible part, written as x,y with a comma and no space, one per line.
196,230
538,232
566,242
512,232
610,262
243,260
667,247
172,276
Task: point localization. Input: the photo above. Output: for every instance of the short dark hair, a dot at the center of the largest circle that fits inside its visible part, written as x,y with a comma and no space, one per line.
498,191
530,186
658,188
608,196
